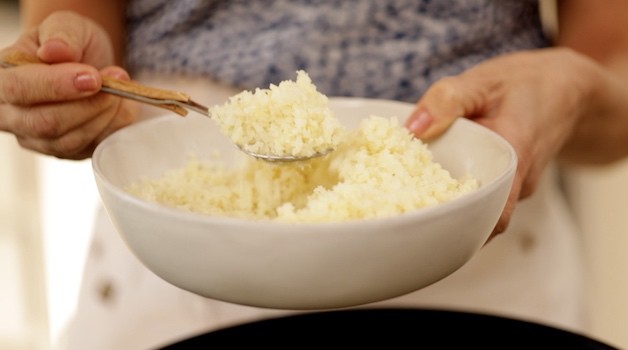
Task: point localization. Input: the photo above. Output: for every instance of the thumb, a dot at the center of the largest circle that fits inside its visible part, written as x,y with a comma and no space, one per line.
446,100
115,72
65,37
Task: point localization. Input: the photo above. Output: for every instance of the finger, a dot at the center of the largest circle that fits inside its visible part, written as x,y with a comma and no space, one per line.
62,36
504,220
444,102
513,197
48,128
44,147
115,72
128,109
66,36
127,115
79,143
49,121
38,83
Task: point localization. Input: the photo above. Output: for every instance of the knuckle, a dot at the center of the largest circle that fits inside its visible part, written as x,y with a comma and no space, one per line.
125,119
445,90
70,144
12,90
41,125
52,88
23,92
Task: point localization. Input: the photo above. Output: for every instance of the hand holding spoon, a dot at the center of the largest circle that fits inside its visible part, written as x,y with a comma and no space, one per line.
175,101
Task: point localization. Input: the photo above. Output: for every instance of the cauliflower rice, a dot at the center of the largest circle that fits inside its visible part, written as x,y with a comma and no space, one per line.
289,119
378,170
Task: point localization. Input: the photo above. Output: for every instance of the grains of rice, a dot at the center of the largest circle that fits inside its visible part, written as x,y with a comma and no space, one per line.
289,119
378,170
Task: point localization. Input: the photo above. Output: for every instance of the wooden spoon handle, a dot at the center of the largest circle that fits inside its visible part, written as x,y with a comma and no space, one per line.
17,58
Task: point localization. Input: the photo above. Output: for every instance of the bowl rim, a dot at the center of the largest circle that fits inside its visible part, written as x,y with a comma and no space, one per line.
413,216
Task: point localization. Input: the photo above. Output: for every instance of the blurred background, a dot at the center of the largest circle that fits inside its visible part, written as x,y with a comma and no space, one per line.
47,206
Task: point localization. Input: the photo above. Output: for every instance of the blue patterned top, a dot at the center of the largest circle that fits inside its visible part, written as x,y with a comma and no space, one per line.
381,49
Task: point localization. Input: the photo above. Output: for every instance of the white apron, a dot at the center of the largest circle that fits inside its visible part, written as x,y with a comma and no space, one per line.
534,271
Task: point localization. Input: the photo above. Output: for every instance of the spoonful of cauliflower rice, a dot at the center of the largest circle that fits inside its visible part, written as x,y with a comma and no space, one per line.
287,122
290,121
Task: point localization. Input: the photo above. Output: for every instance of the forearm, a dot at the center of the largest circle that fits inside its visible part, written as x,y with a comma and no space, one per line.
108,14
601,135
599,32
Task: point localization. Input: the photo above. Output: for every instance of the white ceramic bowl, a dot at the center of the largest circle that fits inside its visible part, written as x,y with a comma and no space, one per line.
300,266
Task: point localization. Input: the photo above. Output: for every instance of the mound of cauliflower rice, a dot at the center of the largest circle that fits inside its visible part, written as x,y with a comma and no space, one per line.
377,170
289,119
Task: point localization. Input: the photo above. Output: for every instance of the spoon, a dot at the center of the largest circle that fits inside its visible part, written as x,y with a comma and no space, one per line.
175,101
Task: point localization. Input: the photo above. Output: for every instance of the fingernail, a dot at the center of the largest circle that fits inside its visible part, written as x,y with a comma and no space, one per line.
420,123
51,49
85,82
55,44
